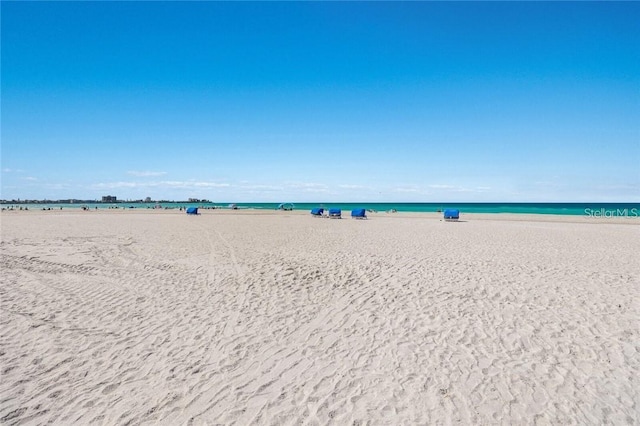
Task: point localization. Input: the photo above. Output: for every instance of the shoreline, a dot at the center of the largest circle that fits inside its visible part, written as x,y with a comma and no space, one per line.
592,209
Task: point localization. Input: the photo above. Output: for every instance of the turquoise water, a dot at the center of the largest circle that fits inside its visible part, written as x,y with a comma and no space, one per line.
575,209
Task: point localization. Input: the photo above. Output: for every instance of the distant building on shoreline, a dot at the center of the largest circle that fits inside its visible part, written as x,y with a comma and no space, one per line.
107,199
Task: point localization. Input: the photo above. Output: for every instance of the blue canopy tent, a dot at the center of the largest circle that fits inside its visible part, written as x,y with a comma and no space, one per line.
192,210
318,212
451,214
359,213
286,206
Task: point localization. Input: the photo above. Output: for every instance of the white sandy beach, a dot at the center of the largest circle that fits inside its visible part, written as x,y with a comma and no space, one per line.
263,317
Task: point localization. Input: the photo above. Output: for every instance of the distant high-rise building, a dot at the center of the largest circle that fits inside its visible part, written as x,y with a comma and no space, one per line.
109,199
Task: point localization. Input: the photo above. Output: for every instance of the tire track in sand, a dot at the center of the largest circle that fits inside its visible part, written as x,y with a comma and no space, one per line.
238,276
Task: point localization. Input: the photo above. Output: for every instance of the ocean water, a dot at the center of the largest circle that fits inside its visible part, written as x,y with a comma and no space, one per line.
575,209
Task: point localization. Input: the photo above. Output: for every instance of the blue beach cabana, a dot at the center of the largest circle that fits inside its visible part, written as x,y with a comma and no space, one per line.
192,210
451,214
317,212
359,213
335,213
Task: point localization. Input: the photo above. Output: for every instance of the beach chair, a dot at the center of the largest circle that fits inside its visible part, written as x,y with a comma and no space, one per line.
317,212
358,214
192,210
451,215
335,213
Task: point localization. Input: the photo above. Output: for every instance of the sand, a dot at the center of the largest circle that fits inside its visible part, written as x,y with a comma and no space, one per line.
265,317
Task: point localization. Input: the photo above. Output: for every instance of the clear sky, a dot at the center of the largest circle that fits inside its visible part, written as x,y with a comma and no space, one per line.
297,101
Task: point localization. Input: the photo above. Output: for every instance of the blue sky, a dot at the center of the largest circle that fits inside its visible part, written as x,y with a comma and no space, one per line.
297,101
